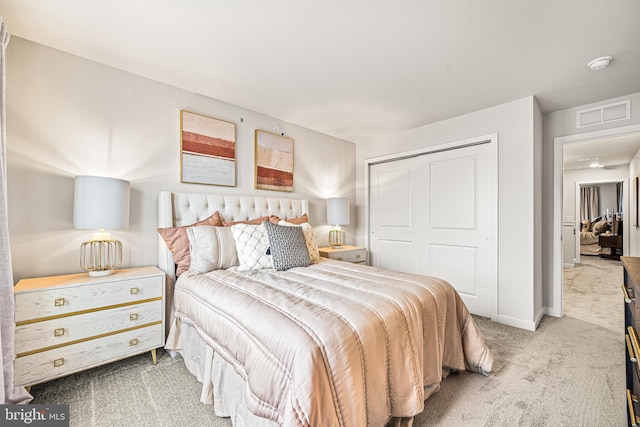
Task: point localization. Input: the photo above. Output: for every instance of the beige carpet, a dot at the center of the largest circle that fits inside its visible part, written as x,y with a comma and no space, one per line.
592,293
568,372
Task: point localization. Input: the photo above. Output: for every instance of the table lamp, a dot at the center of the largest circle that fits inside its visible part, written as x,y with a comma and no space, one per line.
338,214
100,204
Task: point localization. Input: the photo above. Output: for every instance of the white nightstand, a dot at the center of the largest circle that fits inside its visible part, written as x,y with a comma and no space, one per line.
66,324
354,254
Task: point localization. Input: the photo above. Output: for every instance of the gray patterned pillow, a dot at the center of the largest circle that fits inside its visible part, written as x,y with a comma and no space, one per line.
287,245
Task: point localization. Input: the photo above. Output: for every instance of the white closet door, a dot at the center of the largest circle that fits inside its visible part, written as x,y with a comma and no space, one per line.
395,227
433,214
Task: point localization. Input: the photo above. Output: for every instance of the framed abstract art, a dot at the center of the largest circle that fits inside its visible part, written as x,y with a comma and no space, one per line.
207,150
274,161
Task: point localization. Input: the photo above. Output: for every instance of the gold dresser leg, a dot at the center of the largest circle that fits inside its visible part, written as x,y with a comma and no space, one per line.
153,356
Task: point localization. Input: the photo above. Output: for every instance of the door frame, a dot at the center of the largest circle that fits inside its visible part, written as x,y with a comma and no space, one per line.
625,212
492,140
558,176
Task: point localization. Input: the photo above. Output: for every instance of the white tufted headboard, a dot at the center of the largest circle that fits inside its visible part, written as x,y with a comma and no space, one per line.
178,209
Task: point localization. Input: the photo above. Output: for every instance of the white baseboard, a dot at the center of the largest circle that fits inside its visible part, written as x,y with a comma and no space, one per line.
517,323
551,311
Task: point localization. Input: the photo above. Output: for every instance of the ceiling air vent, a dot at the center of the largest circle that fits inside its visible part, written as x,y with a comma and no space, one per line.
604,114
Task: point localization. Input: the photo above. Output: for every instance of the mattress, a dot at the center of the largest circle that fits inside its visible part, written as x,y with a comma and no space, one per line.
329,344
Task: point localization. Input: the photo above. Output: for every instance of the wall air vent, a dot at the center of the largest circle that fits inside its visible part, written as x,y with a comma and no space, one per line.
604,114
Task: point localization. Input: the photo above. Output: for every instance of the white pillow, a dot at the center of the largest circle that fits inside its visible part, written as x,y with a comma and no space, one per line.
312,246
251,244
211,248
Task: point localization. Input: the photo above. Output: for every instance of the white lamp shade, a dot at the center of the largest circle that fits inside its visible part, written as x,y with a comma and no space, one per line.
100,203
338,210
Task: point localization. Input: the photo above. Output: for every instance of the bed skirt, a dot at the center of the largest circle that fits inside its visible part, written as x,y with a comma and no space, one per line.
223,387
215,374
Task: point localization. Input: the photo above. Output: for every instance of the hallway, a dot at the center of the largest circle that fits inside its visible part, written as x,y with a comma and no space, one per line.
591,292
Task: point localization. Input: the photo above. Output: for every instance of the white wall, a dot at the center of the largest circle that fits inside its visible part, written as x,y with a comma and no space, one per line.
608,198
68,116
538,296
518,125
605,178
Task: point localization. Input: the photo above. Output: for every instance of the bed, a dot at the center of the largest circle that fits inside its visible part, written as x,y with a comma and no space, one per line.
314,342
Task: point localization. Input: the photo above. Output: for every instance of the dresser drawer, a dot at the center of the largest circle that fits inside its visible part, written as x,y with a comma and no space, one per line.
40,367
353,255
57,301
631,409
63,330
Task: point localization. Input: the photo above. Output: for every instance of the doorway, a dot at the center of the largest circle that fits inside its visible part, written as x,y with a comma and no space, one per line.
609,208
554,308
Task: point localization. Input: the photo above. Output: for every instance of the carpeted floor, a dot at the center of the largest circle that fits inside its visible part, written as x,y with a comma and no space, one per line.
568,372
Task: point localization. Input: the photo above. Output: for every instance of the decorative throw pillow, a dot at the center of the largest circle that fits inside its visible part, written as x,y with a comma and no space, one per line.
297,221
211,248
252,244
600,227
585,225
288,246
310,238
255,221
178,243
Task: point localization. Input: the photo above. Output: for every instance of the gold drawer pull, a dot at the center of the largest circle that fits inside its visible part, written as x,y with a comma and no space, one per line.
628,294
133,342
133,316
358,256
58,302
134,291
632,412
58,332
634,341
632,354
58,362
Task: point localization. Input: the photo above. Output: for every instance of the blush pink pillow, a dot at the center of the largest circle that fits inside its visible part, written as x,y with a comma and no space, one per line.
297,221
254,221
177,241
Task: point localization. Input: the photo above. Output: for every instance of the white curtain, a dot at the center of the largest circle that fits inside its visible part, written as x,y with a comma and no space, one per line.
8,393
589,202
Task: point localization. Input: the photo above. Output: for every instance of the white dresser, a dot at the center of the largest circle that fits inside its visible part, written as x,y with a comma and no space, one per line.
66,324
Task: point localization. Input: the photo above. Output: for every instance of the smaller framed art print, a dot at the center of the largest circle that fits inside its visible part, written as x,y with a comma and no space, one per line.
274,161
207,150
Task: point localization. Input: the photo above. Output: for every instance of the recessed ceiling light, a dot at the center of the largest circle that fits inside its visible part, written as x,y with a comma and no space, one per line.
599,63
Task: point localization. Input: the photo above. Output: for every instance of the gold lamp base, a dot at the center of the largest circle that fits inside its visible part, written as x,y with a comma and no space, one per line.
336,238
100,257
100,273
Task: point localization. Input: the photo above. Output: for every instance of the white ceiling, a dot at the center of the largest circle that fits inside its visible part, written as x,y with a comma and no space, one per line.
608,152
354,68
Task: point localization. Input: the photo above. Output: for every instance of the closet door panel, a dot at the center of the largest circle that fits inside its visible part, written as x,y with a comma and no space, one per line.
435,214
394,223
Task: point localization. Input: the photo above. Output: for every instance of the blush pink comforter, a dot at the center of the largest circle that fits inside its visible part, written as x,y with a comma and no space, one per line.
333,344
